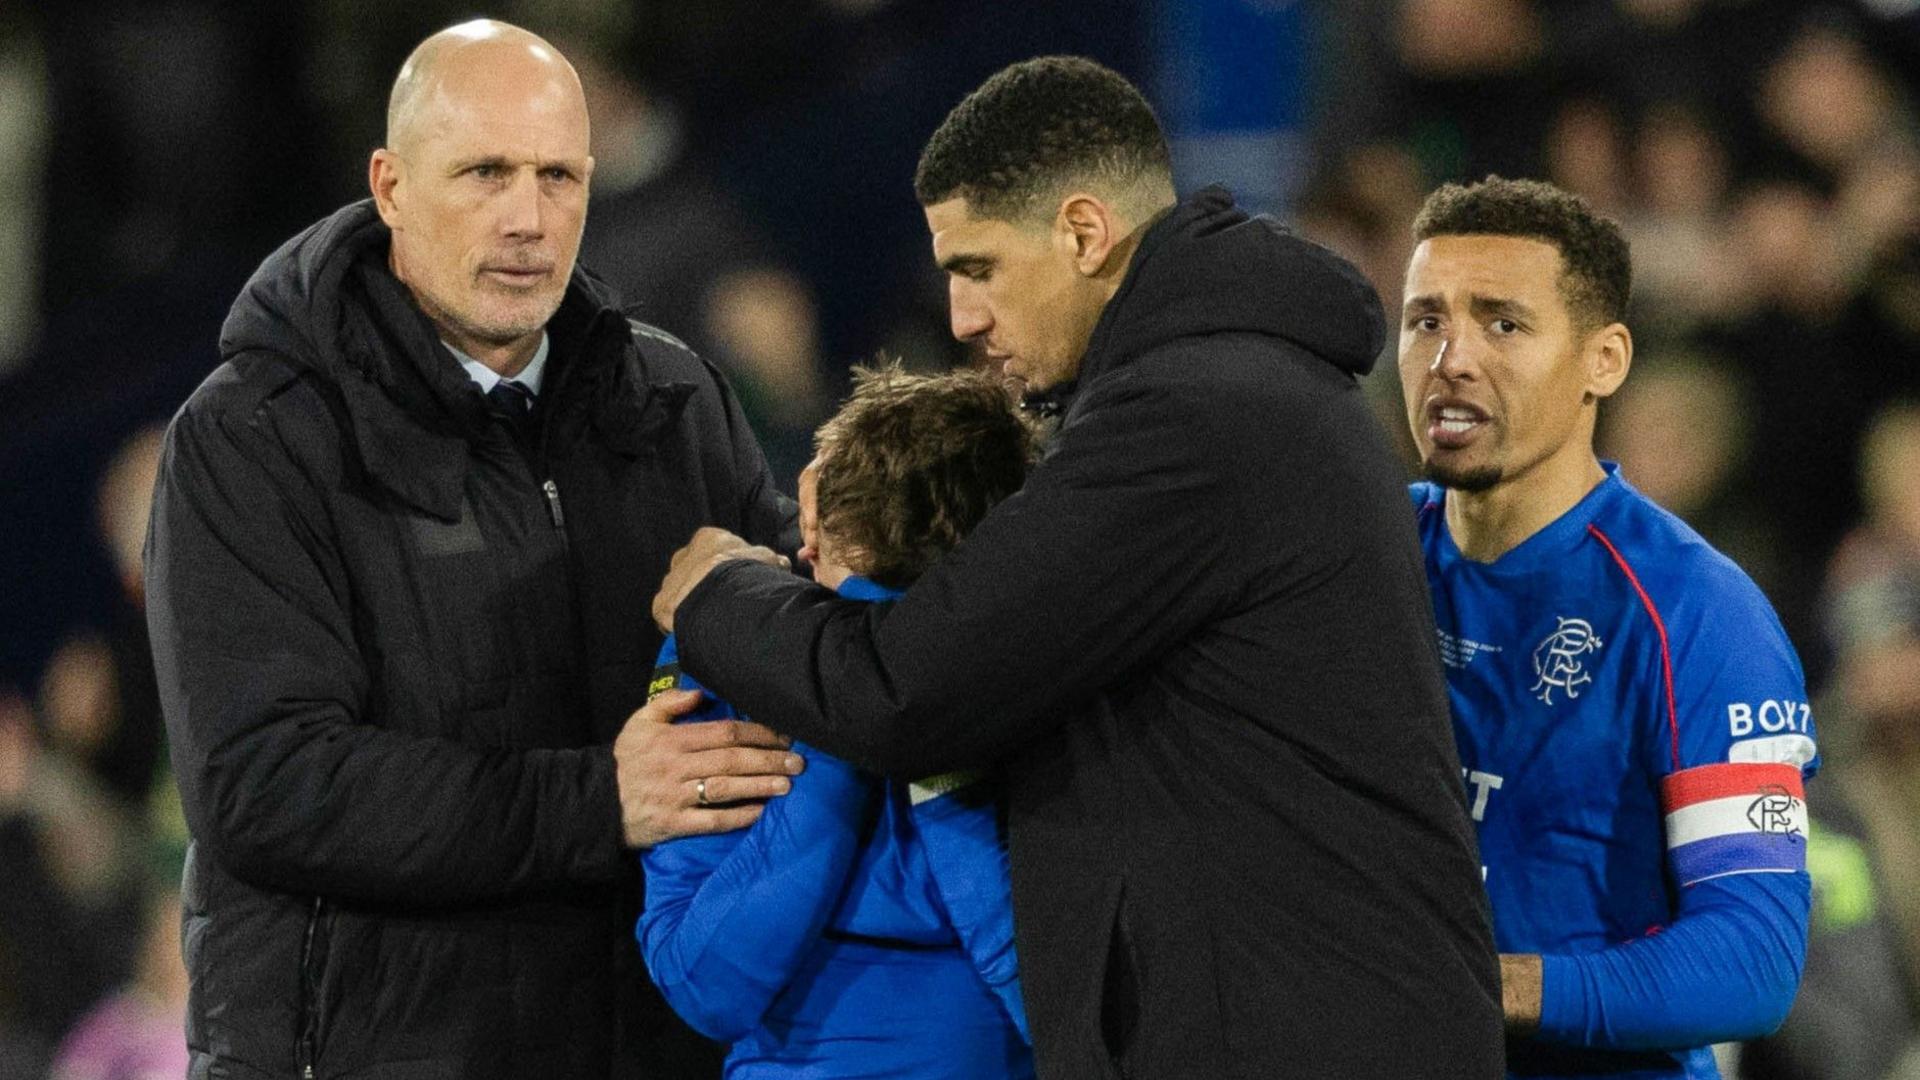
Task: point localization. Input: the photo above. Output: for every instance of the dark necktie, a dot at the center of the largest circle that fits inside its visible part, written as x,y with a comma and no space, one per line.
513,401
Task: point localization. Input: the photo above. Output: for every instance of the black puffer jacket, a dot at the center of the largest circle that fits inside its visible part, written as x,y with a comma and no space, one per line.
1201,642
393,647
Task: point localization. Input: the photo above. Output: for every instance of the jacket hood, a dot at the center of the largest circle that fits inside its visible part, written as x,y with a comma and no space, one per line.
1208,267
292,304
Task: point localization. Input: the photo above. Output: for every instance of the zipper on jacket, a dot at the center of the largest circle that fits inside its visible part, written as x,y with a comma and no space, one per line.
553,504
309,990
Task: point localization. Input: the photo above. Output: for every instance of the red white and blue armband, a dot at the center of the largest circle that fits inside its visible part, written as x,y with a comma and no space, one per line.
1739,818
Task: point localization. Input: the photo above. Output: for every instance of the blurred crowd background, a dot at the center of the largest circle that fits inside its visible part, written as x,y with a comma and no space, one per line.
753,195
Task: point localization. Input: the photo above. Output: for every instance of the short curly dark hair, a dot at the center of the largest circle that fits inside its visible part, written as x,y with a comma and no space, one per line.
1037,126
911,463
1596,277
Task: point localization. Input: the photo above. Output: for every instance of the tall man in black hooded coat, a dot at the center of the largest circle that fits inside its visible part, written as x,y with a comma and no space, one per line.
398,541
1198,641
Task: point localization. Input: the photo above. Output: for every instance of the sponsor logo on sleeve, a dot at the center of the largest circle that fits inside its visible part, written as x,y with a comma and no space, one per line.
1559,662
1736,818
1794,750
664,678
1771,717
1777,730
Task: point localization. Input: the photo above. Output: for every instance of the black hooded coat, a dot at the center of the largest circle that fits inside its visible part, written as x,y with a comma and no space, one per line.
394,642
1200,644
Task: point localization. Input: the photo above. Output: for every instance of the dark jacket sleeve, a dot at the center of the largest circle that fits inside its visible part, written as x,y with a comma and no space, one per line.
1113,551
771,518
284,777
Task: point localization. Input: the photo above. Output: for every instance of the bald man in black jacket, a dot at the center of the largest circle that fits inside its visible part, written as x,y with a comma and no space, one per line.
392,616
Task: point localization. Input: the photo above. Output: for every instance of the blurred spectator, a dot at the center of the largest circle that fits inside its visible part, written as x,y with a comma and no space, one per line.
1361,205
1587,154
684,258
1811,382
156,136
68,903
1678,435
1853,1019
1476,93
98,696
1683,266
1856,1014
1827,101
1873,614
1680,430
82,800
138,1032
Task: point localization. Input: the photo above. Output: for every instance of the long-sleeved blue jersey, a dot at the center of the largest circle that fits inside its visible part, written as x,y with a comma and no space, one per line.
861,927
1634,731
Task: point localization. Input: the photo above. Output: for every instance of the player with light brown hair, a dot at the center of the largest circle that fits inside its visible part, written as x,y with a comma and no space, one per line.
864,926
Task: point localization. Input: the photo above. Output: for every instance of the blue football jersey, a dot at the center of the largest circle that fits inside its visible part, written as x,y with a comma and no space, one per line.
1596,671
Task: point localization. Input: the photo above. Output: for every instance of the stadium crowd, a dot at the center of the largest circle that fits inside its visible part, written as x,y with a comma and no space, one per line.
752,195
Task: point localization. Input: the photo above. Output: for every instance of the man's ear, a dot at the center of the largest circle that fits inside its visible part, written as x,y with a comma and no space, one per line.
1088,230
384,175
1609,355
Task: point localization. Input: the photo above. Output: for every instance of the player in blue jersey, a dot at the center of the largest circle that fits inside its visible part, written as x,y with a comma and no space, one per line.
1632,722
862,927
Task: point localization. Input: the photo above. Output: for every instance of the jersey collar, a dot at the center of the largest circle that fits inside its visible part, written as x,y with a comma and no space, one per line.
1562,534
856,587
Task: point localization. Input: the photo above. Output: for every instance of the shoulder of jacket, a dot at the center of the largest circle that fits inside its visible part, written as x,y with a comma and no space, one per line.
257,390
662,350
1161,388
665,358
241,384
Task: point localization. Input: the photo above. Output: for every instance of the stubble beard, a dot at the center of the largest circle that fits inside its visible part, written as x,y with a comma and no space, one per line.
495,326
1470,479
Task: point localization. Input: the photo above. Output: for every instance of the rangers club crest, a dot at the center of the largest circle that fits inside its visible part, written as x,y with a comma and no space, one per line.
1557,660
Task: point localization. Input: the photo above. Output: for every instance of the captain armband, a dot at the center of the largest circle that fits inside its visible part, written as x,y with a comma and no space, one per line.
1739,818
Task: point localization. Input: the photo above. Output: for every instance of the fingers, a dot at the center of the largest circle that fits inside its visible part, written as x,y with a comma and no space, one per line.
722,789
664,708
752,734
645,832
703,820
723,733
738,761
708,548
686,569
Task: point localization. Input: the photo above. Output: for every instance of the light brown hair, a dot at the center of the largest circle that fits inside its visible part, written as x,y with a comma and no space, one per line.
911,463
